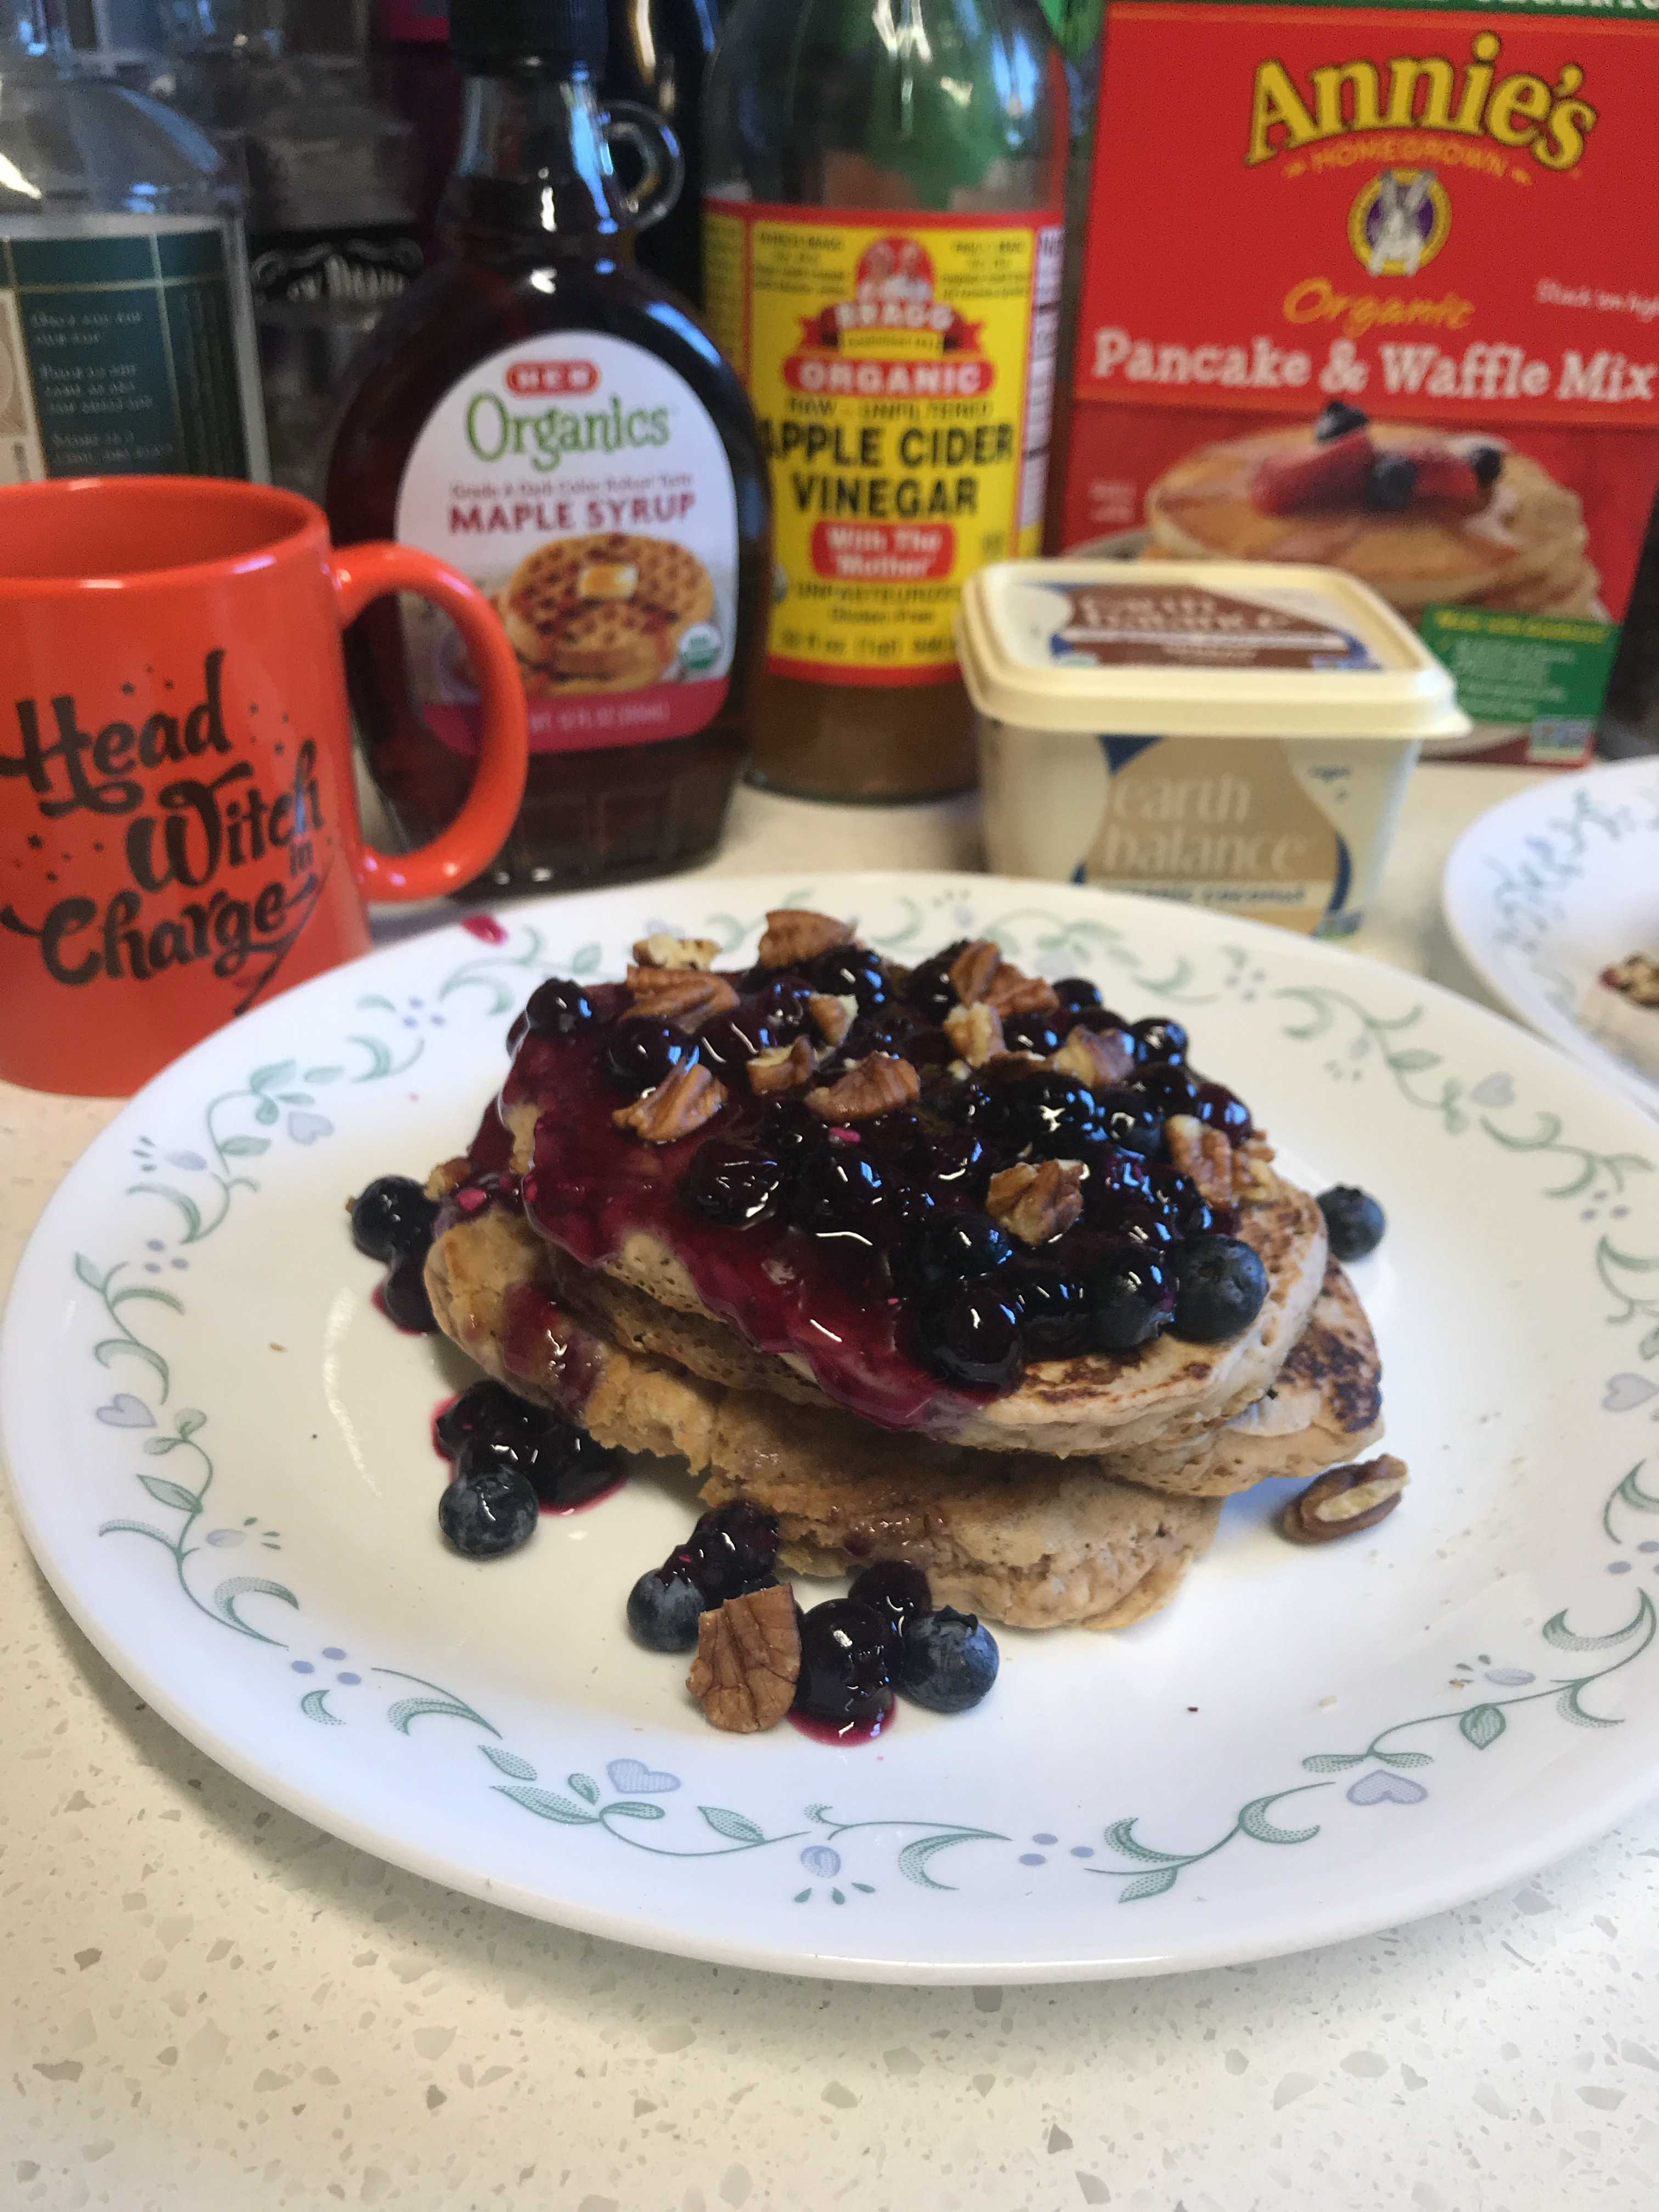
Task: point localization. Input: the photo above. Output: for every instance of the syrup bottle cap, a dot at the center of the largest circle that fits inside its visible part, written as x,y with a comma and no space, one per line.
562,36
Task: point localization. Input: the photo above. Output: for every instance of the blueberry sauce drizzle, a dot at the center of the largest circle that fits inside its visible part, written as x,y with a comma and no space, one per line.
809,1260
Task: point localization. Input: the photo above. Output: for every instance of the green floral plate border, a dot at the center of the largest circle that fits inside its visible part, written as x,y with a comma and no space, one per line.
128,1247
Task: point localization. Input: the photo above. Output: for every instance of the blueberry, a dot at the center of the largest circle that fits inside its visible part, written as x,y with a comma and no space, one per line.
1129,1299
482,1410
1217,1106
956,1165
566,1466
1171,1088
791,1133
638,1055
733,1549
1160,1040
1178,1199
928,986
393,1217
403,1296
1391,482
849,969
1353,1220
897,1588
942,1248
782,1005
1055,1114
950,1661
1128,1118
732,1184
560,1008
1032,1033
849,1654
731,1041
970,1335
837,1191
1056,1313
1337,419
1077,994
1113,1176
1220,1290
663,1608
1487,462
487,1513
1143,1222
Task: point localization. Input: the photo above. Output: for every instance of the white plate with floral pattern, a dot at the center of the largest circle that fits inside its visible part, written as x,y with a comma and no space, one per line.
1548,888
220,1452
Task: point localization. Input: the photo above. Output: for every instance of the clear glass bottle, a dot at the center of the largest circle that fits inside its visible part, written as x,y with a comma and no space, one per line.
558,424
658,60
882,247
328,170
126,331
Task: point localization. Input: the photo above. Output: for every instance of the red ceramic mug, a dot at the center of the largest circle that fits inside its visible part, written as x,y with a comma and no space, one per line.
178,829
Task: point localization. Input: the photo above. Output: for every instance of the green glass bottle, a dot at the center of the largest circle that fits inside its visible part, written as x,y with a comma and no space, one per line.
881,259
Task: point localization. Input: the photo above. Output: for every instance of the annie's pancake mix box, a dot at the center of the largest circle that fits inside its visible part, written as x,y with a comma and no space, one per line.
1394,307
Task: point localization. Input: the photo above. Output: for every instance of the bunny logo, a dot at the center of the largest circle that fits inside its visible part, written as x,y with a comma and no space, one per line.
1399,222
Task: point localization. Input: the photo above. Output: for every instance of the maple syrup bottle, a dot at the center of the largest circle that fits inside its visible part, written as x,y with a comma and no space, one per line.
881,250
559,426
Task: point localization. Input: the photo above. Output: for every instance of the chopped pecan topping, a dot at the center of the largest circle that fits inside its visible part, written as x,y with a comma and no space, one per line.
1035,1203
972,971
976,1031
1250,1163
794,934
831,1014
680,1102
444,1178
1345,1500
1203,1155
782,1067
1099,1057
679,994
1013,992
661,950
876,1084
748,1659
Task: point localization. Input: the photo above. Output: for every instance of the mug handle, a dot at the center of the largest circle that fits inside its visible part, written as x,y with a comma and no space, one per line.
467,847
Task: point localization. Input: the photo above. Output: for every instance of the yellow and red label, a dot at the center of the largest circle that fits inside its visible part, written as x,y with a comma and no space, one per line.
902,366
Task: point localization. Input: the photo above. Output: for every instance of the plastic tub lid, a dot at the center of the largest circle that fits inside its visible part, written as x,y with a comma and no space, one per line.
1197,648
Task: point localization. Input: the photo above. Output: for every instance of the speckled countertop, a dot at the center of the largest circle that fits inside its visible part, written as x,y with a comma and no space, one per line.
207,2004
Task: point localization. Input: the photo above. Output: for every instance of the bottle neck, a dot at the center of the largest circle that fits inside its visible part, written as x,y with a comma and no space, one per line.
533,159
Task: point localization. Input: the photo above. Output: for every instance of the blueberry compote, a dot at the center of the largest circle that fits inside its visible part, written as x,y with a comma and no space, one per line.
825,1241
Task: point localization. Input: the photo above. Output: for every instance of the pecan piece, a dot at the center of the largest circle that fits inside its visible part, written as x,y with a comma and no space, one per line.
1099,1057
659,949
748,1659
1037,1203
1011,993
782,1067
976,1031
679,994
1250,1163
680,1102
1345,1500
969,974
1203,1156
794,933
831,1014
875,1084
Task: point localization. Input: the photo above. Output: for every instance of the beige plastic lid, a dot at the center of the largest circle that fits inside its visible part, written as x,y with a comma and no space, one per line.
1197,648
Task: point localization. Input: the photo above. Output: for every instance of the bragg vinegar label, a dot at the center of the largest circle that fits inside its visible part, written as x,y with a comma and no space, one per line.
902,366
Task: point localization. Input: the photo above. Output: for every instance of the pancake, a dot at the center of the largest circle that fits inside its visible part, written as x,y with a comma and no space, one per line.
1033,1543
1430,550
1170,1390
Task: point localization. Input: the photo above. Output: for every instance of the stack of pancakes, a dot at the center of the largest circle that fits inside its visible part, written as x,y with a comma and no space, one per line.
1523,552
1080,1495
605,611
